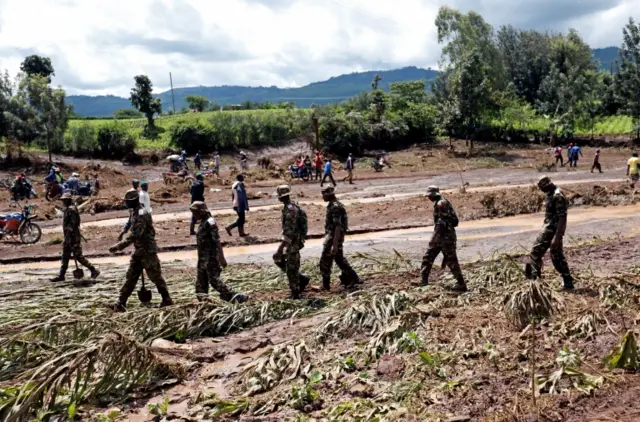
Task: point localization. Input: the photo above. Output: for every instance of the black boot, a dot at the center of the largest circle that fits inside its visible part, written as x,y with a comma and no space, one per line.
94,273
57,279
326,283
166,298
568,282
120,305
460,286
304,281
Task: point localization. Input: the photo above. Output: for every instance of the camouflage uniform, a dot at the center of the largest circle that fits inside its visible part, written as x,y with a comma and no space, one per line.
144,257
556,208
72,241
289,262
445,242
336,216
209,269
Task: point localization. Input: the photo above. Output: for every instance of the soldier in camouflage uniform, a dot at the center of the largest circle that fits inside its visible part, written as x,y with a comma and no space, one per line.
555,225
72,239
145,253
211,259
336,225
287,257
443,240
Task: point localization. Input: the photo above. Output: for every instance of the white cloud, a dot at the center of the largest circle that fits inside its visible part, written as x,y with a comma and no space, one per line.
98,46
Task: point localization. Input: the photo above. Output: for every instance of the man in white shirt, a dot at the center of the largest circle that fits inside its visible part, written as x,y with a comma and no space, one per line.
145,200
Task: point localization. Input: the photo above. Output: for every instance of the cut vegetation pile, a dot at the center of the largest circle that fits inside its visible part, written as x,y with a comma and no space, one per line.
389,352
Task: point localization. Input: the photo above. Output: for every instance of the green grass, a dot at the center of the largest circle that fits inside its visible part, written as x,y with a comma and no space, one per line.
612,125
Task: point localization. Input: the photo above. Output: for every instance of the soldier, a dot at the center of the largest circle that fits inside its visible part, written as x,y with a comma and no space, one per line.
294,232
211,259
555,225
72,239
145,254
443,239
336,225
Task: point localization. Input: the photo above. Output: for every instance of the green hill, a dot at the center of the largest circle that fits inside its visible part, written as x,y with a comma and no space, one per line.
333,90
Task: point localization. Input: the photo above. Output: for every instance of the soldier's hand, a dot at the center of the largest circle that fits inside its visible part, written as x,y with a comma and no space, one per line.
120,236
333,251
223,263
113,249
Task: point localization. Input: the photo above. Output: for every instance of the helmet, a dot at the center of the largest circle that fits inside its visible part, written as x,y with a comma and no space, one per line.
199,206
20,176
433,190
200,176
329,190
283,191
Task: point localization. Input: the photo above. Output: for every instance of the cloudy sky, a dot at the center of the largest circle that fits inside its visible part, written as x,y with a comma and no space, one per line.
97,46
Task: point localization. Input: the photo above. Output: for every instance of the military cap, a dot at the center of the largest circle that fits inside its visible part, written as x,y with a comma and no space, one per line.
66,195
544,181
199,206
329,190
283,190
433,190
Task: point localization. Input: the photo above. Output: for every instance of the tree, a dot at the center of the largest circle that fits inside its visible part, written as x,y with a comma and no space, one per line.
404,93
197,102
127,113
38,65
16,116
628,77
51,111
375,82
142,99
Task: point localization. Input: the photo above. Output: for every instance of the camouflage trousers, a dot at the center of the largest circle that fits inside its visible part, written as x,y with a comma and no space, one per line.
74,249
209,273
151,265
540,247
326,261
289,262
446,245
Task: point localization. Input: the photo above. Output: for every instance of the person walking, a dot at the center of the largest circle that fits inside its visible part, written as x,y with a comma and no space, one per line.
211,259
197,194
328,172
240,206
632,170
336,224
145,199
244,161
551,236
570,154
197,161
349,168
216,163
558,154
294,233
318,164
144,257
72,239
576,153
443,240
596,162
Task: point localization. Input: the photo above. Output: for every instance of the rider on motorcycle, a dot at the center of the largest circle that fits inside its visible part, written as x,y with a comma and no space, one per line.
20,188
74,183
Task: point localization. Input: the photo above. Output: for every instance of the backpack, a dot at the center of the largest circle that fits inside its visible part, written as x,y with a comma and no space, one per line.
453,218
302,223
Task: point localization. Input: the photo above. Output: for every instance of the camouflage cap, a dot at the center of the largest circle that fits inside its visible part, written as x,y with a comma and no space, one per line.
544,181
199,206
328,190
66,195
131,195
433,190
283,191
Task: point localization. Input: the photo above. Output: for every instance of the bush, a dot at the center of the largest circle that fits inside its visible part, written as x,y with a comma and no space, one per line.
81,140
193,136
114,141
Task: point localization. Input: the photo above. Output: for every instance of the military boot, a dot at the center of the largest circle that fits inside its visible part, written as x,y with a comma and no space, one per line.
326,283
295,295
166,298
460,286
94,273
228,229
57,279
120,305
242,233
304,281
568,282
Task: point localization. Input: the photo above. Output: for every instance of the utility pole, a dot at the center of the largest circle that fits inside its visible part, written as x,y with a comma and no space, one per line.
173,98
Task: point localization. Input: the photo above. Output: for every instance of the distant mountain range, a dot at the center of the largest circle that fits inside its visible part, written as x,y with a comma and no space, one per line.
333,90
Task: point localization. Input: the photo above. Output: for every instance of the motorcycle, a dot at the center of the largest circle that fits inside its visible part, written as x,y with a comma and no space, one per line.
21,224
53,191
296,172
378,165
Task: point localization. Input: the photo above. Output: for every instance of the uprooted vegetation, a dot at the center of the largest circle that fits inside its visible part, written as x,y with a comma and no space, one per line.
391,351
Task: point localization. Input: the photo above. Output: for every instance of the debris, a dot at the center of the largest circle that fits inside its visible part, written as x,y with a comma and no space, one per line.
390,367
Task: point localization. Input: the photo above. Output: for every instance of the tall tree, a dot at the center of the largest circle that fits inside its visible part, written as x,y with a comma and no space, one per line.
51,110
628,76
38,65
142,99
197,102
16,116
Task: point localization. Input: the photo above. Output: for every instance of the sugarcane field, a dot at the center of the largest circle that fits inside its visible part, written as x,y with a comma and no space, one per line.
390,346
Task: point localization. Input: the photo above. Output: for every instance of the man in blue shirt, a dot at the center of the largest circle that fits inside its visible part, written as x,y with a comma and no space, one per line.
575,151
197,161
327,173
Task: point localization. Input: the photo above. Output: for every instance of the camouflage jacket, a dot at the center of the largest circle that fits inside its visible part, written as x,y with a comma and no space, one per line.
290,231
556,208
71,225
336,217
142,235
207,238
444,215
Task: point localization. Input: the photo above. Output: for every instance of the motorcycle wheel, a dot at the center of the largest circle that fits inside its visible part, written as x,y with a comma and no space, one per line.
30,233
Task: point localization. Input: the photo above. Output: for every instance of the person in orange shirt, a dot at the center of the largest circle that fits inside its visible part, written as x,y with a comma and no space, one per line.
318,162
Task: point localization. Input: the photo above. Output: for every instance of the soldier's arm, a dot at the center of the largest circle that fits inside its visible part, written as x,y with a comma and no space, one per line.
215,236
137,230
288,228
337,221
561,210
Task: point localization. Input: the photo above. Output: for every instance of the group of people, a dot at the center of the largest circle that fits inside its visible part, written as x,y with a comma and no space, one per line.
574,152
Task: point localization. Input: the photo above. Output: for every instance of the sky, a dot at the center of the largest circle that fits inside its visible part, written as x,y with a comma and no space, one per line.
97,46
